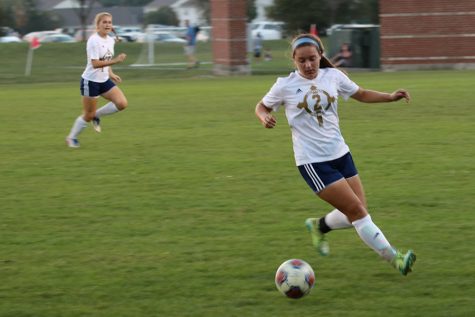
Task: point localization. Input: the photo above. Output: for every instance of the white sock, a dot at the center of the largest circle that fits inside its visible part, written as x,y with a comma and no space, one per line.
78,126
335,219
107,109
374,237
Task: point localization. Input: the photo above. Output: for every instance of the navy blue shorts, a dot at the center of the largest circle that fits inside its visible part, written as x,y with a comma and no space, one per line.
93,89
320,175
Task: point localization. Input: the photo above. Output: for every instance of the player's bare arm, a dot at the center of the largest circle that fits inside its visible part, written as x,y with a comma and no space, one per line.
118,59
264,115
370,96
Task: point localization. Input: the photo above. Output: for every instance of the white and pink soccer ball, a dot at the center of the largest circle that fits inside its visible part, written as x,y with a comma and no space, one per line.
295,278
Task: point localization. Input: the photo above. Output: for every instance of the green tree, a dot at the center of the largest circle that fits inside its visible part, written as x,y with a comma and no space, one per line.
204,5
23,16
164,15
85,7
300,14
367,11
354,11
6,15
251,9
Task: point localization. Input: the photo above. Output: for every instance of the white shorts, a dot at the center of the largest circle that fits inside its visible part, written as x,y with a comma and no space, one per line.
189,50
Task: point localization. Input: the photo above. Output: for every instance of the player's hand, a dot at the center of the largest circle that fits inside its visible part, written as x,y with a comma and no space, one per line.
121,57
115,78
400,94
269,121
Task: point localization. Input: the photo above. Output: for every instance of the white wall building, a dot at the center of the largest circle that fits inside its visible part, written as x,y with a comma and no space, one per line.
184,10
156,5
261,6
189,10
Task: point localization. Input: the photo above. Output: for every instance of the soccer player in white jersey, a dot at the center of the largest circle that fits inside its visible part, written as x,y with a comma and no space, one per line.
310,98
98,79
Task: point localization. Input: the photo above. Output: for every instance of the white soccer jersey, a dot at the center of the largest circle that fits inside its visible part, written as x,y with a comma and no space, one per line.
102,49
311,110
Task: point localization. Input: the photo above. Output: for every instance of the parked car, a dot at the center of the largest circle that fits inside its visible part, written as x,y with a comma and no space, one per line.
39,35
178,31
164,37
337,27
129,33
58,38
269,30
167,37
160,27
78,35
6,30
10,39
204,35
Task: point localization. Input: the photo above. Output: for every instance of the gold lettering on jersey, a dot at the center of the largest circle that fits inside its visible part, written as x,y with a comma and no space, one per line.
330,100
107,57
312,103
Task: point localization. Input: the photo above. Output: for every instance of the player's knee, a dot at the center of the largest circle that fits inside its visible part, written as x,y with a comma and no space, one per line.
356,211
88,116
121,104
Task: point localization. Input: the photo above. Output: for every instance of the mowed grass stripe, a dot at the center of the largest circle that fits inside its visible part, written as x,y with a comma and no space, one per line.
186,206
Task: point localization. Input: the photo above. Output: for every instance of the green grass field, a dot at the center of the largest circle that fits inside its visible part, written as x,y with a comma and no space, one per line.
186,206
59,62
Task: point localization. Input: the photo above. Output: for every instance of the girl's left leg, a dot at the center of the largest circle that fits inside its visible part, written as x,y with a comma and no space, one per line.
333,220
342,196
89,108
338,220
117,102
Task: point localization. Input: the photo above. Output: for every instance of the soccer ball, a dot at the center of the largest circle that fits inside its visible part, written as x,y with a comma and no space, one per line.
295,278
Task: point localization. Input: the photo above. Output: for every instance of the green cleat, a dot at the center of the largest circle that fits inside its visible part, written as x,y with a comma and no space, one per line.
318,239
404,262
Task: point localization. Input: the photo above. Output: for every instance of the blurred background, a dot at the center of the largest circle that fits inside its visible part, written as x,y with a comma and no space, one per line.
362,34
163,21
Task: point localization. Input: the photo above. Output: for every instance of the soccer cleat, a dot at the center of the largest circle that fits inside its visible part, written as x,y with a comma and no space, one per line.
404,262
318,239
72,142
96,124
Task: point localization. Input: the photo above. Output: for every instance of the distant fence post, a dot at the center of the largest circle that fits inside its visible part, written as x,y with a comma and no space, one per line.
34,44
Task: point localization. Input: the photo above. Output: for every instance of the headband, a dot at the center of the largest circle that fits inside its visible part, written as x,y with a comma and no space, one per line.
305,40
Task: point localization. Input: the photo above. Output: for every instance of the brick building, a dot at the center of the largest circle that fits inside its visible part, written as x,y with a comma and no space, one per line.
430,34
228,20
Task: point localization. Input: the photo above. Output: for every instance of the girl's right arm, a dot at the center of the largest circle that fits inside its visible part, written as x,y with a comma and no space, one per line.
118,59
264,115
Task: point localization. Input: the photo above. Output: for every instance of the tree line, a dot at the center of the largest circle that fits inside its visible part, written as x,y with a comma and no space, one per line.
299,15
24,16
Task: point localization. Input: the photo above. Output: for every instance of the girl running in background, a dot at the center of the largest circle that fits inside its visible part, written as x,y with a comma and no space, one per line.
98,79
